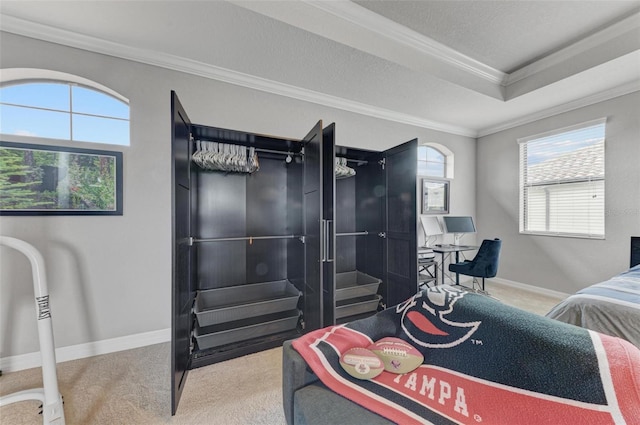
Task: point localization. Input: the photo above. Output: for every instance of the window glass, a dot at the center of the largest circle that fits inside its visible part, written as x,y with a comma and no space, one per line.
37,95
432,169
89,101
63,110
87,128
431,162
433,155
562,182
32,122
422,153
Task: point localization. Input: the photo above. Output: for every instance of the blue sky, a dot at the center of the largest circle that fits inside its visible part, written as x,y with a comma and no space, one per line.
44,110
553,146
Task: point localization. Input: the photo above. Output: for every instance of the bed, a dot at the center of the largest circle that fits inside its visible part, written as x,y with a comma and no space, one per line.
611,307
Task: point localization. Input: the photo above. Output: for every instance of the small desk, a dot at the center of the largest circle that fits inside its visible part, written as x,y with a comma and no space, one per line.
445,252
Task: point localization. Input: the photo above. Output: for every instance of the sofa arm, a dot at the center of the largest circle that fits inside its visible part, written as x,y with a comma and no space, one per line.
295,375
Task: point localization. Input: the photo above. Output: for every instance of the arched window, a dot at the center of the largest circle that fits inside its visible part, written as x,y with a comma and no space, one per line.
54,105
435,160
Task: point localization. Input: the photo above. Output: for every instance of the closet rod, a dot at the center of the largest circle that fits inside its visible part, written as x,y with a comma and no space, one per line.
353,234
276,152
261,149
244,238
358,161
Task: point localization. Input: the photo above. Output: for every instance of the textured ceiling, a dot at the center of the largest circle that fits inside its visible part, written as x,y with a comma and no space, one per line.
506,35
451,65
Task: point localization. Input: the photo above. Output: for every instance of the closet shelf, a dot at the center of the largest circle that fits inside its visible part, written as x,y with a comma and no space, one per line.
355,284
356,306
215,306
246,329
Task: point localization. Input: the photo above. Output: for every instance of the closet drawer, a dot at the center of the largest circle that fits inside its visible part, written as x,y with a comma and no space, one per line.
228,333
215,306
356,306
355,284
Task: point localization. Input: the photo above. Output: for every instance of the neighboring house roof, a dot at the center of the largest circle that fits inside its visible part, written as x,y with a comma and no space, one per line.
578,165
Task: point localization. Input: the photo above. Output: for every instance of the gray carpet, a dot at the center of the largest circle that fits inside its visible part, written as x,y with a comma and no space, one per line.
133,387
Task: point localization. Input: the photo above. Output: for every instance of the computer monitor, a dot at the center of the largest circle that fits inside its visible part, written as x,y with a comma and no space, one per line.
458,226
431,227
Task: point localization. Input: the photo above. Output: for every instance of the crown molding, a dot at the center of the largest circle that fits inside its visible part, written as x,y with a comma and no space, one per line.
30,29
371,21
566,107
593,41
364,18
365,30
80,41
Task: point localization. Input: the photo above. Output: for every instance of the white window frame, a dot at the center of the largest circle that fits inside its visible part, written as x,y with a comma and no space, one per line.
448,160
593,181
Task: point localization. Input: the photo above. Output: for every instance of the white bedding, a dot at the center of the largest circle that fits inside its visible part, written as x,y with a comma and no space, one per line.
611,307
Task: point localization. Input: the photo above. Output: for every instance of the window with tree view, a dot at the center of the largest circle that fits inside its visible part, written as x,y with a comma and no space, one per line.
562,182
39,174
40,179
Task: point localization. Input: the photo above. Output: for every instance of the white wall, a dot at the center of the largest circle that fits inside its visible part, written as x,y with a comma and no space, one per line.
110,277
563,264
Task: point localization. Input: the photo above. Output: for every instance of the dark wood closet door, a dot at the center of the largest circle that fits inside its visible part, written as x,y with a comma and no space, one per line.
183,292
312,217
401,222
329,217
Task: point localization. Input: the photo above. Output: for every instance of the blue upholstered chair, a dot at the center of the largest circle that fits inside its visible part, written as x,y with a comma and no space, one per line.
484,264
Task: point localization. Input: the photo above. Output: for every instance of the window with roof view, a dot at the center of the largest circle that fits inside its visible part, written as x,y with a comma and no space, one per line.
431,162
63,110
562,182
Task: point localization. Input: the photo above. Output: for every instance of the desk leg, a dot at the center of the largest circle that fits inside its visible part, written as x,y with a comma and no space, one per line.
457,261
442,258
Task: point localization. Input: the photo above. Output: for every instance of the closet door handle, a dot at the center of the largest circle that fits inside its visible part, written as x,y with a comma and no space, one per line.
328,241
323,241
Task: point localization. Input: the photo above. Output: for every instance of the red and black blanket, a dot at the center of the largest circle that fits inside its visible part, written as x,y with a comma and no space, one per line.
485,363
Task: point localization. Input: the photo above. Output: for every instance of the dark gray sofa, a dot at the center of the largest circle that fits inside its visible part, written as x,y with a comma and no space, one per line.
549,367
306,399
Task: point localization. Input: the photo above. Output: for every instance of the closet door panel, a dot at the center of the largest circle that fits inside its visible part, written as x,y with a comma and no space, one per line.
402,261
312,213
182,293
312,265
295,223
329,217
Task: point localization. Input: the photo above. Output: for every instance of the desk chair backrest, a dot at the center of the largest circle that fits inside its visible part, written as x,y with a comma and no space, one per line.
486,260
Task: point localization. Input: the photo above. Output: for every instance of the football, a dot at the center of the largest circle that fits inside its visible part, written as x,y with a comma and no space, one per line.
397,355
361,363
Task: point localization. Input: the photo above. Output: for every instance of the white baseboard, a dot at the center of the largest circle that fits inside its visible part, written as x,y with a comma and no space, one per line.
80,351
530,288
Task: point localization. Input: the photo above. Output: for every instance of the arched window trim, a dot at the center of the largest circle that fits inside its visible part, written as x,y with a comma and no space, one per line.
448,155
14,76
